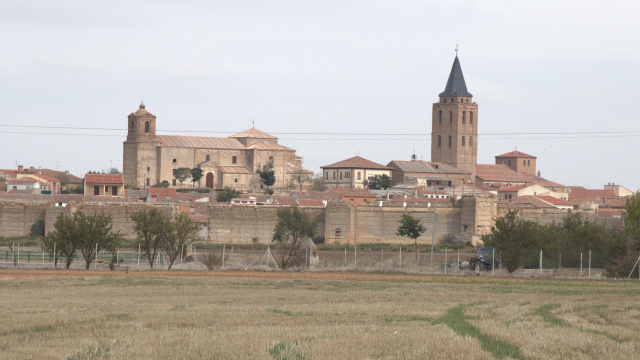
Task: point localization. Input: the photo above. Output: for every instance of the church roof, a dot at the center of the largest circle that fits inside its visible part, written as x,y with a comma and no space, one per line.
199,142
267,146
456,85
357,162
518,154
499,173
253,133
142,111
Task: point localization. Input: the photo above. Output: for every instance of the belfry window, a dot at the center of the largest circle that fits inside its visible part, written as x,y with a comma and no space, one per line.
463,141
528,162
440,117
450,117
449,140
470,117
133,124
524,163
146,126
470,140
439,140
464,116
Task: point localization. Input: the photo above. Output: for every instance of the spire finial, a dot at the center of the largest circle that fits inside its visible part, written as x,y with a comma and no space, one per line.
456,49
253,123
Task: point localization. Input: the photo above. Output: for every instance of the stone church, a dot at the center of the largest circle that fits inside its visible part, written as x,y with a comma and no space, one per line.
149,158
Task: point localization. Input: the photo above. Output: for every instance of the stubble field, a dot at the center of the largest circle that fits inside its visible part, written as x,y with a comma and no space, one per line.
266,315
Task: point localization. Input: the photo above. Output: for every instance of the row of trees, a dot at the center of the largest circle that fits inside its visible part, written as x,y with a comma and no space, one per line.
183,174
89,234
619,243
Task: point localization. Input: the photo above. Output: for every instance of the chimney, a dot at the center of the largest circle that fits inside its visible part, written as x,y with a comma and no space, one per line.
66,172
32,169
20,168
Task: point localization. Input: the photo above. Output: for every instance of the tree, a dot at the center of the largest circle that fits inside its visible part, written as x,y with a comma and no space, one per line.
81,232
317,183
514,237
632,228
412,228
151,227
300,177
113,170
292,228
267,175
379,182
226,194
196,175
183,174
64,181
182,232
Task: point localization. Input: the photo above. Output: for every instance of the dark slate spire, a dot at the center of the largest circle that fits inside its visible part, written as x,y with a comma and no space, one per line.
456,85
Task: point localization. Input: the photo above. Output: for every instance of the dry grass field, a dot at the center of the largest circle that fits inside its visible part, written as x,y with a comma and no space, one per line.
265,315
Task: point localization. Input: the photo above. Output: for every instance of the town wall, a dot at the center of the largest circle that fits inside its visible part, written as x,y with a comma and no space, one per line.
17,217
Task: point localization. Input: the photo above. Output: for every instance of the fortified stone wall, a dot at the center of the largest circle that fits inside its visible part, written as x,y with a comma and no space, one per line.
17,217
548,216
241,224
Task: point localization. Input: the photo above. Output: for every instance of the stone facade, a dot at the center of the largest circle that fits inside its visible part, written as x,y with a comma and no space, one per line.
149,158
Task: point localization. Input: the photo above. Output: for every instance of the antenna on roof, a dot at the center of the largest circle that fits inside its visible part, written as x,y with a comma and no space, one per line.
414,156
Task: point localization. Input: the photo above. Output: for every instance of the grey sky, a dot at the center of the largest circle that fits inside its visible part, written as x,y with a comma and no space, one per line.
325,67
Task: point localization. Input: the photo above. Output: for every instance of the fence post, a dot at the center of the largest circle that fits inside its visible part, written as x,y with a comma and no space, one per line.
400,265
493,261
381,257
28,256
18,260
540,261
344,262
445,260
589,264
355,255
181,253
559,260
223,249
138,256
95,259
580,264
55,264
458,259
43,256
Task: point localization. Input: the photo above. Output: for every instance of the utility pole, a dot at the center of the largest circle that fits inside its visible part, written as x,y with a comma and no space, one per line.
433,235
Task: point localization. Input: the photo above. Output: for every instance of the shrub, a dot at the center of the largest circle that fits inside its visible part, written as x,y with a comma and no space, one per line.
211,258
318,239
203,190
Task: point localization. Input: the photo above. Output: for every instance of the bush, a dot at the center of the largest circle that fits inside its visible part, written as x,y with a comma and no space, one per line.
318,240
183,190
203,190
211,258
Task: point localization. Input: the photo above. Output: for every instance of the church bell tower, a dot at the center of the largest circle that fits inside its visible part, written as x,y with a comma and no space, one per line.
454,124
139,164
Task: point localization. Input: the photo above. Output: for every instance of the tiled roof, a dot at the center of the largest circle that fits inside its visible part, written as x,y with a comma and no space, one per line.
104,178
197,218
310,202
317,195
54,173
234,170
582,193
199,142
527,201
610,213
541,181
350,192
412,166
253,133
267,146
356,162
446,168
43,177
23,181
617,203
512,188
552,200
285,200
518,154
499,173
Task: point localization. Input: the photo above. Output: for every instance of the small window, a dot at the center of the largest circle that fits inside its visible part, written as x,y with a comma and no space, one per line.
450,117
334,175
207,157
440,117
467,101
175,161
326,176
461,100
174,182
463,141
470,117
359,176
449,140
445,100
452,100
148,168
337,232
524,163
174,172
439,140
146,126
133,124
470,140
234,160
235,180
509,162
271,160
347,174
464,116
148,182
528,162
106,189
340,175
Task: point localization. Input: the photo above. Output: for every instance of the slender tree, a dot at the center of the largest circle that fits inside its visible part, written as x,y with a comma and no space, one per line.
182,174
182,232
267,176
412,228
300,177
196,175
514,237
226,194
151,228
292,228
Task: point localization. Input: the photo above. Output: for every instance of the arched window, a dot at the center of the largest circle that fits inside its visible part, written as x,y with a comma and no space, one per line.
146,126
439,140
133,124
524,163
449,140
470,140
509,162
440,117
467,101
528,162
463,141
450,117
445,100
470,117
464,116
452,100
461,100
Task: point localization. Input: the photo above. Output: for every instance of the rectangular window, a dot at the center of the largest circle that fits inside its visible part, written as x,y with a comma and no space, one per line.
271,160
208,157
326,176
464,117
235,180
114,190
148,182
106,189
359,176
174,182
174,172
234,159
470,117
334,175
449,140
340,175
175,161
440,117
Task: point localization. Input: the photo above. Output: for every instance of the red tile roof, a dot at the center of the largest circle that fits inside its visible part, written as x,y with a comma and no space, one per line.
104,178
357,162
253,133
512,188
499,173
518,154
23,181
553,200
267,146
609,213
353,193
158,191
285,200
416,166
617,203
583,193
310,202
527,201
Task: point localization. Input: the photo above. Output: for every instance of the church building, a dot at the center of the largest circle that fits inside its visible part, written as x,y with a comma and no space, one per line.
454,125
149,158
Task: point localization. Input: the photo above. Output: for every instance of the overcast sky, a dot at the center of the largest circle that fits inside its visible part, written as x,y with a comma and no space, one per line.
554,79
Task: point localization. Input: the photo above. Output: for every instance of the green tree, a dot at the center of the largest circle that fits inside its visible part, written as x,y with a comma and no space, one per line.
59,242
113,170
267,176
299,177
64,182
412,228
196,175
632,226
292,228
514,237
226,194
379,182
151,228
182,232
182,174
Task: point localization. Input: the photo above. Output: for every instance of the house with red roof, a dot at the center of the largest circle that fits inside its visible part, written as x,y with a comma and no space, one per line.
425,173
49,185
354,196
23,186
518,161
498,176
354,173
513,192
104,185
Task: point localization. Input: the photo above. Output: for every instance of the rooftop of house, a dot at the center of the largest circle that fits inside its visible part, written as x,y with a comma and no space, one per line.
516,154
356,162
527,201
351,192
23,181
512,188
553,200
160,191
499,173
426,167
104,178
253,133
578,192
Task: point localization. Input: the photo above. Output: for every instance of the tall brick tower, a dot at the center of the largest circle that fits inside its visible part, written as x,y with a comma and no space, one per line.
454,125
139,151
